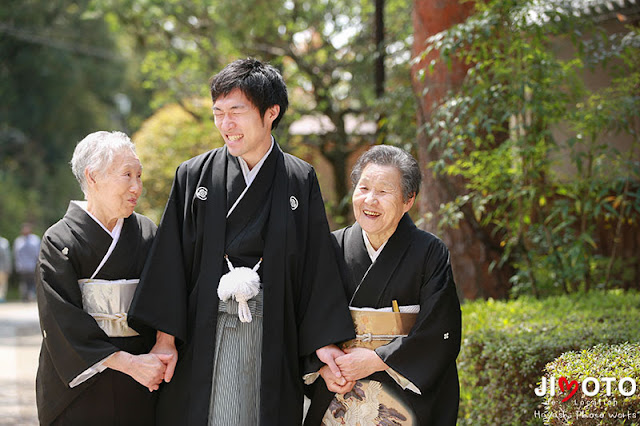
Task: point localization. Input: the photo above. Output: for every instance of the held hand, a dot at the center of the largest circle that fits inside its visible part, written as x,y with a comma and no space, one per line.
165,345
328,354
146,369
149,369
335,384
359,363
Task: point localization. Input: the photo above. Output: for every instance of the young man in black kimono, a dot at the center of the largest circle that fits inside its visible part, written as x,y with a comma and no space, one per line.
250,205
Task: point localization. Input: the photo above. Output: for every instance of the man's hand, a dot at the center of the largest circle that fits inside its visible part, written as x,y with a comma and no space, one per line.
359,363
335,384
165,345
328,354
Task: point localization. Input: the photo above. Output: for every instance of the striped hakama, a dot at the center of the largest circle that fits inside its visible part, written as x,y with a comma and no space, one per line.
235,395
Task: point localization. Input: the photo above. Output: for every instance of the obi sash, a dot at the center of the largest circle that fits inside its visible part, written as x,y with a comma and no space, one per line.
377,327
108,301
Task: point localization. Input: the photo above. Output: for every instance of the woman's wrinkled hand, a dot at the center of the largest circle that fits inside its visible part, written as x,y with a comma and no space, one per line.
149,369
335,384
358,363
146,369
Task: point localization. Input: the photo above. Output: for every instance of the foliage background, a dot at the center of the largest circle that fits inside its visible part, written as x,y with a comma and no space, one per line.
548,163
72,67
508,346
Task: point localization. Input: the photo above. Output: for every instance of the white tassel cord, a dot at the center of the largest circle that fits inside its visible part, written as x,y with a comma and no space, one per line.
241,284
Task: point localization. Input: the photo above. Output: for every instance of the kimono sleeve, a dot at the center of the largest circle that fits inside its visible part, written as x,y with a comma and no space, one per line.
325,318
73,338
434,341
160,301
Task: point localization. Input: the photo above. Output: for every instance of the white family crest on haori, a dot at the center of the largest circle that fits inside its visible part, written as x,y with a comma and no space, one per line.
241,284
294,202
201,193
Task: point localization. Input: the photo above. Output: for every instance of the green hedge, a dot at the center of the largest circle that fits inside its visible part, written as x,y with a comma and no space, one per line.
602,405
506,346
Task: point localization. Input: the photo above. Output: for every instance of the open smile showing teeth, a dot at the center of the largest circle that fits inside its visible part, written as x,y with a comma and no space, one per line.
234,137
370,213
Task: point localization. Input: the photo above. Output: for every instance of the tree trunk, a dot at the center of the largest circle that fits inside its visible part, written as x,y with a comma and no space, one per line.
472,247
380,48
379,71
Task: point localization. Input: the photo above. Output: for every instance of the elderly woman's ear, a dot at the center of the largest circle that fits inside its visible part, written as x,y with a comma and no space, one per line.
90,178
410,202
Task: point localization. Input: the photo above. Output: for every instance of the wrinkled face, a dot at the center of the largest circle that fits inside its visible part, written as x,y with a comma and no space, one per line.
245,133
377,202
115,191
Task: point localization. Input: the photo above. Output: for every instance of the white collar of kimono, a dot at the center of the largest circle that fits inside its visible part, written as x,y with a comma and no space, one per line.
373,253
250,175
115,234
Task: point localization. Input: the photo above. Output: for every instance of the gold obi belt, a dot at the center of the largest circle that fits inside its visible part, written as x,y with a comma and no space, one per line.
108,301
377,327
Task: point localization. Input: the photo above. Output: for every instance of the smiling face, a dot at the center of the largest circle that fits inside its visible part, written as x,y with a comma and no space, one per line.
245,133
113,193
377,202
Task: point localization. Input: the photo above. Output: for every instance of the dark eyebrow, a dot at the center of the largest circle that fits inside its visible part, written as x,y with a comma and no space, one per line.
215,108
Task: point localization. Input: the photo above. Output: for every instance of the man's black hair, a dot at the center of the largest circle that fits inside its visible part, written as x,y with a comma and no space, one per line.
261,83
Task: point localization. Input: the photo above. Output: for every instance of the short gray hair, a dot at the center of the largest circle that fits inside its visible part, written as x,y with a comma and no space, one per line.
387,155
96,152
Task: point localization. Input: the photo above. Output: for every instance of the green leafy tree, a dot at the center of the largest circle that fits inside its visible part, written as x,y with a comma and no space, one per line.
59,75
611,198
325,50
166,139
499,133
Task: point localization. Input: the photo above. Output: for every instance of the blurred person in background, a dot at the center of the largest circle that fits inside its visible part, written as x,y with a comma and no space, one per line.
25,253
94,369
5,267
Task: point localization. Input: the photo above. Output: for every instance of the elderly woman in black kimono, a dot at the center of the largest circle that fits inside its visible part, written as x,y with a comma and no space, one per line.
94,369
389,265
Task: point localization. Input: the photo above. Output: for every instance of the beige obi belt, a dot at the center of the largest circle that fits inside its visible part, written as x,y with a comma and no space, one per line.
377,327
108,301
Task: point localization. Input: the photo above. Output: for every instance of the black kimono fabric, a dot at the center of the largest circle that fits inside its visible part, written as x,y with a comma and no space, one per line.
71,250
413,268
246,226
304,303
